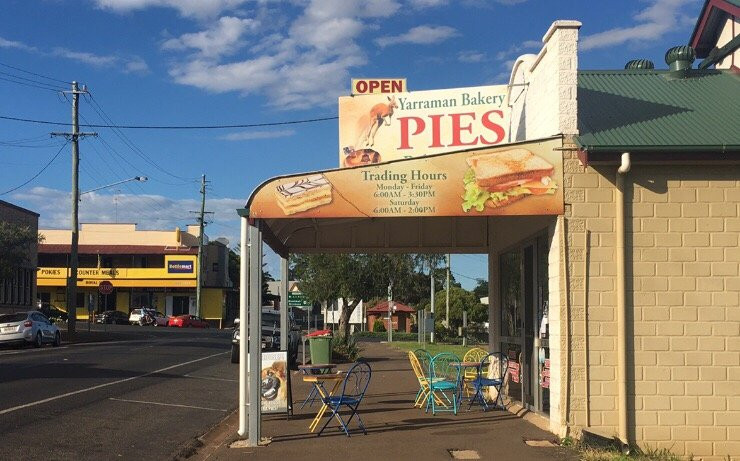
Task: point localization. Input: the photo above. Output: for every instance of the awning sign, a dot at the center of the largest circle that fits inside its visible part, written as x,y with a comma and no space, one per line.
515,179
376,128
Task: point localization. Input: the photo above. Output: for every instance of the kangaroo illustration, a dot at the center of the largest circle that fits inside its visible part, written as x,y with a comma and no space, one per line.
379,113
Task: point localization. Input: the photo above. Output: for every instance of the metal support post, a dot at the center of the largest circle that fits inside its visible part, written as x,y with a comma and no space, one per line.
390,312
284,324
255,332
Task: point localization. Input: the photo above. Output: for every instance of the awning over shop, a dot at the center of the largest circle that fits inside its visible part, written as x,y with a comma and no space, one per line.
438,203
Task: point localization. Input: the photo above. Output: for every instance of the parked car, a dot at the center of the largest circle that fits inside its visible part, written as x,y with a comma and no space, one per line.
271,335
161,320
137,315
52,312
111,317
187,321
28,327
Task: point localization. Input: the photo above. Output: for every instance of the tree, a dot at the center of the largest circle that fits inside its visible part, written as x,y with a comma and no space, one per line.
235,268
460,300
481,289
15,247
351,278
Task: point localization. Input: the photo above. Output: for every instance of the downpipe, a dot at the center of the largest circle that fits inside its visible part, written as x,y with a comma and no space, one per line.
622,171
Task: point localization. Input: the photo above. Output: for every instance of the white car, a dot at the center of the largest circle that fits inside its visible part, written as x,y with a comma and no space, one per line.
160,320
135,318
28,327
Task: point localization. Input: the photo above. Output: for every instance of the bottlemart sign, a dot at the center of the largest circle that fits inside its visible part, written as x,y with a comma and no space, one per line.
514,179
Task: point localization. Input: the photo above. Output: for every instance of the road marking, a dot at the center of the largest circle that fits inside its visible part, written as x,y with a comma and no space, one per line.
28,351
212,378
166,404
99,386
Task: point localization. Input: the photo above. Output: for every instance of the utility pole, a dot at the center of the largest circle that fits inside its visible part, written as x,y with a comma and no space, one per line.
201,223
390,312
447,294
73,137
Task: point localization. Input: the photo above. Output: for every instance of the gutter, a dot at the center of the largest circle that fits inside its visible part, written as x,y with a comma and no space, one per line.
622,171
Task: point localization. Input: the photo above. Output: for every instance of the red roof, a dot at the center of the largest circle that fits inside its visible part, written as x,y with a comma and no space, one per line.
382,308
53,248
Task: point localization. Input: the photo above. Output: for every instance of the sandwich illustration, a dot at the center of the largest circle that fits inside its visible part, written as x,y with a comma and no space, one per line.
303,194
501,178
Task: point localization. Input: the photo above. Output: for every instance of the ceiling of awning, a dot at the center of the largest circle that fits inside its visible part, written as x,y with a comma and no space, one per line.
400,235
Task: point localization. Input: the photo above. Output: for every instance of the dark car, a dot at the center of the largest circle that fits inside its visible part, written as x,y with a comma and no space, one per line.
116,317
52,312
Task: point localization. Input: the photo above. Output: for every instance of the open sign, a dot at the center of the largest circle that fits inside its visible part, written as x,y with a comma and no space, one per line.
379,85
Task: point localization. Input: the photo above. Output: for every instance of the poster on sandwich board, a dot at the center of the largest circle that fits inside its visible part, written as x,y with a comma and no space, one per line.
514,179
376,128
275,382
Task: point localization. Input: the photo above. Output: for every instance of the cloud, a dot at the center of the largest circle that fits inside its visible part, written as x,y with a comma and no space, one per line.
133,64
299,64
249,135
224,37
189,8
4,43
471,56
653,22
419,35
149,211
427,3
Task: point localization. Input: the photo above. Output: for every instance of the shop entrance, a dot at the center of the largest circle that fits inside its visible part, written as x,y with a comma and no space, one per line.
524,322
180,305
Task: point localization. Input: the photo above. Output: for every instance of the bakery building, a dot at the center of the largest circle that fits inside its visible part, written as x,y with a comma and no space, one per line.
18,287
147,268
610,214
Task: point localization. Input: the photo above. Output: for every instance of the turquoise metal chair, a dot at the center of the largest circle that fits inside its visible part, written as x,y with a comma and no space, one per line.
444,380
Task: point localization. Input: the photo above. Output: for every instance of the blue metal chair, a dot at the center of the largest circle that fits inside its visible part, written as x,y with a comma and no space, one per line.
491,373
353,390
444,380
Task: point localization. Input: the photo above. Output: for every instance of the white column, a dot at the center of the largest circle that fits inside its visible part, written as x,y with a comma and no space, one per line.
243,287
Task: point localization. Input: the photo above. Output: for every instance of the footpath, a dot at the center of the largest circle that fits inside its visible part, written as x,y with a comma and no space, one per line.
395,429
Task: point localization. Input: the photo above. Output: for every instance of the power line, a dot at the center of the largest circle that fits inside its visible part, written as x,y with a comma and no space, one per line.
467,276
39,173
18,77
126,140
173,127
30,85
33,73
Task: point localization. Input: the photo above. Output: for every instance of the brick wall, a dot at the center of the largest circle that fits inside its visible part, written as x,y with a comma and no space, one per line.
14,214
683,259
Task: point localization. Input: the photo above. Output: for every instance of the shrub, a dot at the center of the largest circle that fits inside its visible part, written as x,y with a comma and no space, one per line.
378,326
346,348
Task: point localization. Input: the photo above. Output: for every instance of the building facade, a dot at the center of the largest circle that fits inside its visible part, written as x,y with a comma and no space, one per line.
622,317
147,268
18,291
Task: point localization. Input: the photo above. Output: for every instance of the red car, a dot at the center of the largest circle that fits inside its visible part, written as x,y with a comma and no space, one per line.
187,321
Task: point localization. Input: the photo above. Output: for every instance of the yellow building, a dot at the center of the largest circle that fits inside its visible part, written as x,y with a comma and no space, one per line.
146,268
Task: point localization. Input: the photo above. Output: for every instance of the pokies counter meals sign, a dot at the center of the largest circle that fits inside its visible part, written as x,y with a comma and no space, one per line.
514,179
376,128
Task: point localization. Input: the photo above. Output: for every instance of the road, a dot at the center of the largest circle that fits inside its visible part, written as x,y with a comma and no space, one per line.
140,399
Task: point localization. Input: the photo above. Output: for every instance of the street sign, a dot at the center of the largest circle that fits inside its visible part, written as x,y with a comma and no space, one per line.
297,299
105,287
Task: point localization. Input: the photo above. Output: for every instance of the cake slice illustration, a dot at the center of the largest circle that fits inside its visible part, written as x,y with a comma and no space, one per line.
303,194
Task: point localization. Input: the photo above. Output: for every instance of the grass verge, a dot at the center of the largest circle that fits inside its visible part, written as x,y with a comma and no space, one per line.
588,452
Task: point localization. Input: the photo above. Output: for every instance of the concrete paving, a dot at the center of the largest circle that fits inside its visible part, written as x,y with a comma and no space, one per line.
396,430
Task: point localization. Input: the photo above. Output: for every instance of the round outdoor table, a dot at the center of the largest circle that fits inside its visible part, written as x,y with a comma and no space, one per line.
462,366
314,369
318,382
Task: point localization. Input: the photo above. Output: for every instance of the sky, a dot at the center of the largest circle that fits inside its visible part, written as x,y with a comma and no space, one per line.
211,62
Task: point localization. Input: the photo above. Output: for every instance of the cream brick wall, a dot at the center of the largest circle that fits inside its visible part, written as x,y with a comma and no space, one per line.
683,283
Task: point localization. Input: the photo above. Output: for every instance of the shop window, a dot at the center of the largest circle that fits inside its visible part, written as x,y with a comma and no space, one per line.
80,302
511,310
